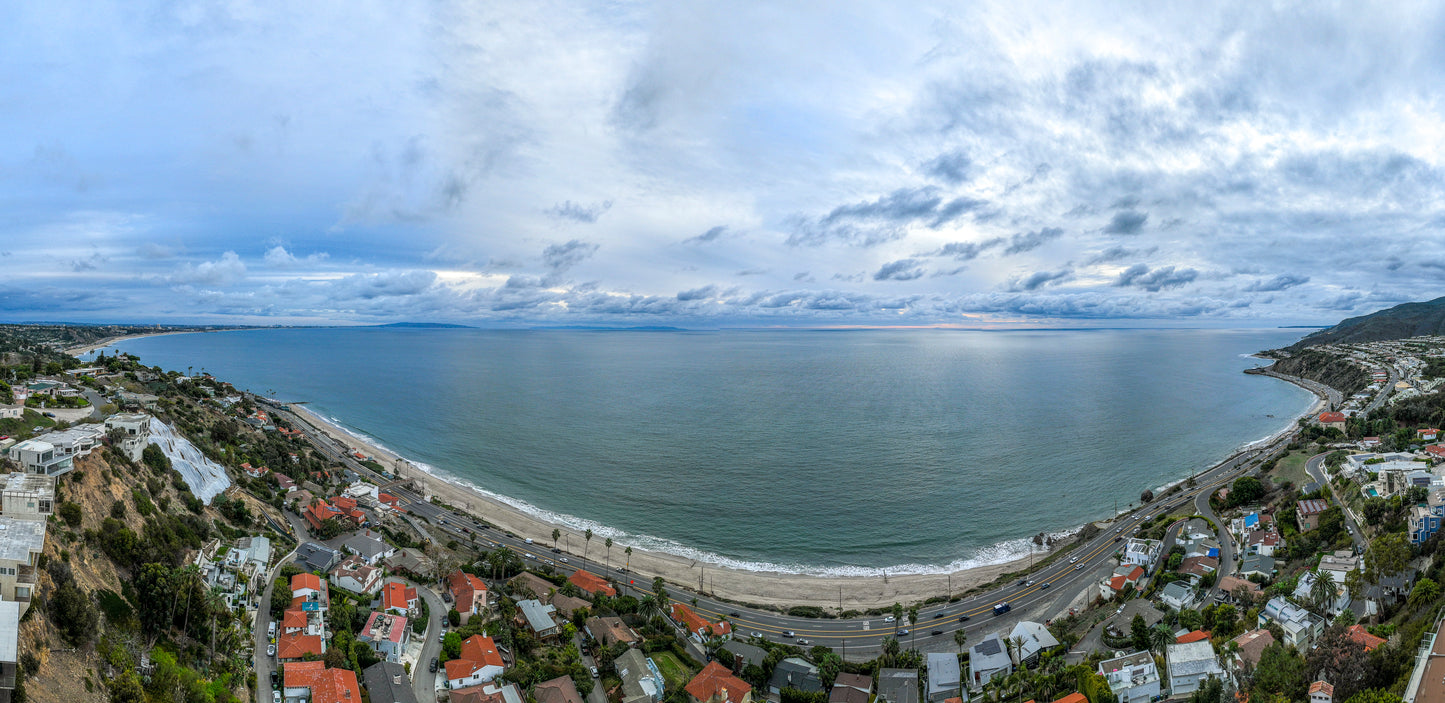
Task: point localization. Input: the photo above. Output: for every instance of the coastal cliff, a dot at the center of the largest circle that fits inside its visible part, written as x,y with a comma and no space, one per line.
1400,322
1334,371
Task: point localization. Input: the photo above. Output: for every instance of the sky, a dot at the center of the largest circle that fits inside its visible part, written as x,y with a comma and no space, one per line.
703,164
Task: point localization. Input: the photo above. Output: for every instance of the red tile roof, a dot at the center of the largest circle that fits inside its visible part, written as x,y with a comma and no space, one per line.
698,625
298,644
293,619
1358,634
1332,417
715,681
376,626
327,685
1322,687
1195,636
397,595
345,503
305,580
1074,697
477,651
1436,449
466,590
591,583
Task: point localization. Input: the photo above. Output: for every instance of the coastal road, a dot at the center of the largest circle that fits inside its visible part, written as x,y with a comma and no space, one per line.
860,637
1315,467
1226,541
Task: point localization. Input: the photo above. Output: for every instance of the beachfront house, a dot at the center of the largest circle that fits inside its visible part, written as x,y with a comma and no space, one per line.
944,676
1034,638
538,616
716,684
796,673
988,659
898,685
698,627
1141,552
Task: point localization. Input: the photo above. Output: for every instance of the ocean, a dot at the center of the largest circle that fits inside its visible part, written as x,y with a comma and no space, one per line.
856,452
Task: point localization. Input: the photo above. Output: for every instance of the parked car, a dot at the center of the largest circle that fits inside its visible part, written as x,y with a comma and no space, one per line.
756,634
275,697
594,673
270,650
528,540
275,677
433,667
442,637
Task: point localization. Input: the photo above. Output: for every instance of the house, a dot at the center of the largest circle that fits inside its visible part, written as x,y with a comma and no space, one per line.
1257,565
316,557
610,630
697,626
1264,541
1133,677
1196,567
1300,626
1035,639
253,471
1232,585
12,411
387,682
303,624
1193,636
1249,647
130,433
486,693
412,564
1427,684
318,513
1141,552
1436,450
37,456
851,688
369,548
311,589
591,583
27,496
22,541
1303,593
387,634
1189,665
355,575
1177,595
399,598
1425,520
716,684
1369,442
795,673
1360,636
286,483
479,663
10,647
898,685
642,682
1322,692
566,605
469,593
1333,420
1308,512
558,690
1124,575
538,617
314,682
987,660
1339,564
944,676
743,654
1429,434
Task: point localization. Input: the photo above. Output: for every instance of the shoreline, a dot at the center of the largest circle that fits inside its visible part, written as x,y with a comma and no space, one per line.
83,349
748,586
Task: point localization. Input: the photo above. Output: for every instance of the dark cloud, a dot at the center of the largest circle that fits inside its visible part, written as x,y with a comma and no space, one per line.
1028,241
902,205
900,270
968,251
560,257
1278,283
698,293
873,222
1039,279
708,236
953,167
1155,280
577,212
1126,222
1117,253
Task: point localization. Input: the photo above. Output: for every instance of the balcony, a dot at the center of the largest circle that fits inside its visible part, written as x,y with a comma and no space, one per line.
25,574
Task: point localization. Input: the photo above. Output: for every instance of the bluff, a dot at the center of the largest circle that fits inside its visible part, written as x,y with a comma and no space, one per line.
1400,322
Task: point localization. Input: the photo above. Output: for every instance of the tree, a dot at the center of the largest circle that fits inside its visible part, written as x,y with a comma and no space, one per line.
1388,555
1425,591
1374,695
70,513
897,617
607,565
73,614
1210,691
628,552
556,535
1159,638
1280,672
155,598
960,638
587,543
1139,632
913,622
451,646
126,688
1339,659
1322,593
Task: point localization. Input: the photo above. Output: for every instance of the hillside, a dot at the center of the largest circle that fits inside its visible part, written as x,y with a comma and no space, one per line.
1400,322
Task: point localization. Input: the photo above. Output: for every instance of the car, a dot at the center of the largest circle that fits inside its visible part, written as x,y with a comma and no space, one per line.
1029,582
787,633
756,634
1073,559
1116,539
1023,582
1044,585
938,614
888,619
433,667
529,555
48,414
442,637
528,540
1119,529
510,535
275,696
270,650
594,672
903,632
1078,566
556,550
275,677
564,559
804,642
963,618
734,614
936,633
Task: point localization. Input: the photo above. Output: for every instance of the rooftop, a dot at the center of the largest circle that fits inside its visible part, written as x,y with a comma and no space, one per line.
18,538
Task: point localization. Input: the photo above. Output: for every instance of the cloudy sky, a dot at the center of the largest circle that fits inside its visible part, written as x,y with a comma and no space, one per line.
729,163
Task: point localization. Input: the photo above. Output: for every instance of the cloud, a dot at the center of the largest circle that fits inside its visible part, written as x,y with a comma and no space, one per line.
88,263
1126,222
577,212
1155,280
1039,279
1117,253
952,167
1278,283
1028,241
710,235
226,270
561,257
900,270
278,257
698,293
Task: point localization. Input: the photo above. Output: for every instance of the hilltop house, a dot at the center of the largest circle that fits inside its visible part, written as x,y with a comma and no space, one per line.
610,630
479,663
538,617
1133,677
1249,646
1300,626
387,634
1332,420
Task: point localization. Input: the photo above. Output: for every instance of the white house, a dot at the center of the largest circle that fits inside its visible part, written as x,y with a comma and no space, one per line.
1142,552
1189,665
355,575
1036,638
1133,677
1300,626
1303,593
986,660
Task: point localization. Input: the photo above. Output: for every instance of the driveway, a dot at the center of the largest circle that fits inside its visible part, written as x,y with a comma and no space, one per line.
262,662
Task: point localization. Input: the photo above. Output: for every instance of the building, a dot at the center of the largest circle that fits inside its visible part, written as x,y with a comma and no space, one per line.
28,496
741,654
399,598
641,680
313,682
1034,638
1303,593
1300,626
130,433
591,583
1257,565
1133,677
369,548
12,412
303,624
851,688
1126,575
1250,646
610,630
37,456
10,647
987,660
355,575
944,676
387,682
1427,683
387,634
716,684
316,557
1425,519
1360,636
286,483
698,627
22,540
795,673
1177,595
486,693
1322,692
1308,512
469,593
1332,420
566,605
898,685
538,617
1235,587
1189,665
558,690
1141,552
479,663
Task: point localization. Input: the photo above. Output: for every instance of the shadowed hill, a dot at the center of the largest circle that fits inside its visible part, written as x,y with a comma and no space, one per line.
1400,322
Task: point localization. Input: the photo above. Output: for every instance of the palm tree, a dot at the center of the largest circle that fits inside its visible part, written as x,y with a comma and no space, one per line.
607,565
1017,645
897,616
1159,638
588,535
1322,593
556,535
913,623
628,552
960,638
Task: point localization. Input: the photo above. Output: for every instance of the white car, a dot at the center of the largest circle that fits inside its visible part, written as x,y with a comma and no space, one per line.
275,697
529,555
888,619
1078,566
270,650
1073,559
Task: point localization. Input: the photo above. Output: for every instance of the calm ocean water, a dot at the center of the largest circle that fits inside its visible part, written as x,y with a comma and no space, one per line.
823,451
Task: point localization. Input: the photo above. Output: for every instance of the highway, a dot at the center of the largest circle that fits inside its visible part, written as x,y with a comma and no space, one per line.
857,638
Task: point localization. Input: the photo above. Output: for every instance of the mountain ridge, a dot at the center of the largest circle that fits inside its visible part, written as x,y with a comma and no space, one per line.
1414,319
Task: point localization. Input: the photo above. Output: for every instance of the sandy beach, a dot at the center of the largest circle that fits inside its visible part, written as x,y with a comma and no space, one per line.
759,587
84,349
